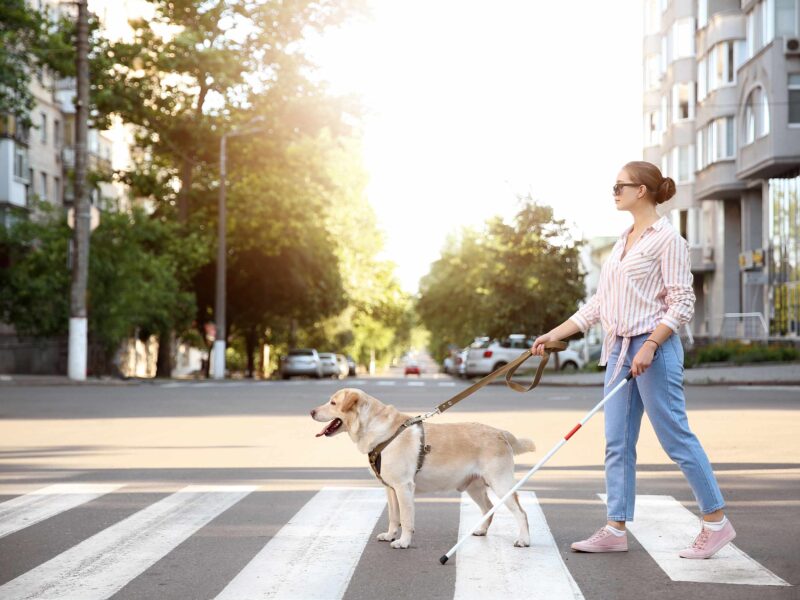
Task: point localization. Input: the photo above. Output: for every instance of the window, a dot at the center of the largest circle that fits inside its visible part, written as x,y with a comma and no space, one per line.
20,161
652,17
43,186
682,38
652,128
57,133
663,5
702,79
665,164
702,13
57,190
756,115
785,18
681,160
794,98
682,101
43,127
716,142
652,71
699,145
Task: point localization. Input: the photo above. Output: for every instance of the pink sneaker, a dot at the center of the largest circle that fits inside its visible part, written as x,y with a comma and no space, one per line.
602,541
709,542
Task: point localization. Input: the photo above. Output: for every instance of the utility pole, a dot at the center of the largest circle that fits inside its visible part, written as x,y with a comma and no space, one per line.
78,338
218,350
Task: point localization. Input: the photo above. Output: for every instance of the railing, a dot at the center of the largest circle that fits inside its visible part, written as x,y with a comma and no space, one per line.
750,325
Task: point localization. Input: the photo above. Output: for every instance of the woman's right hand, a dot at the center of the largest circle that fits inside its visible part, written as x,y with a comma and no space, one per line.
538,344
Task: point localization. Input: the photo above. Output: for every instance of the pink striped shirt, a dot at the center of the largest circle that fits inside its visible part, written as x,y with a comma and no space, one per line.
650,285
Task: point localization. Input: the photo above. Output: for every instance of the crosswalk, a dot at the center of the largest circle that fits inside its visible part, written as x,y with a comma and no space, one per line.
317,551
321,382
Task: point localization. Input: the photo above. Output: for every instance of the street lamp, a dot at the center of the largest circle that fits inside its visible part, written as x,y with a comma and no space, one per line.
219,305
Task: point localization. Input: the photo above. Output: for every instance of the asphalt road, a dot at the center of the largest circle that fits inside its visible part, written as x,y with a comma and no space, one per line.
303,512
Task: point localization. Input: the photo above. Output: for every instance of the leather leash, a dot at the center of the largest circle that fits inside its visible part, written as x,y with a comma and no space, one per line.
509,369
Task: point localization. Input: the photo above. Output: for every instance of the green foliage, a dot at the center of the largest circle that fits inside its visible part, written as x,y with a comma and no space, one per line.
518,277
739,352
136,269
29,42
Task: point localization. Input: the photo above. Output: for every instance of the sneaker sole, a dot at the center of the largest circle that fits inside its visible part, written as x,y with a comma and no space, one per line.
599,551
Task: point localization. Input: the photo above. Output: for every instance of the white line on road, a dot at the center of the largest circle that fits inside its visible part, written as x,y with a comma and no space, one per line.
767,388
416,383
447,384
387,382
664,527
104,563
24,511
315,553
491,567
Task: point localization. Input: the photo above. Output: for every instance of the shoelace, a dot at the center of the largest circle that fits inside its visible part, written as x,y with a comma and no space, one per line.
600,533
702,538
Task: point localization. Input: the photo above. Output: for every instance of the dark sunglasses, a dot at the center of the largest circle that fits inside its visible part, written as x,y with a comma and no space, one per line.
618,187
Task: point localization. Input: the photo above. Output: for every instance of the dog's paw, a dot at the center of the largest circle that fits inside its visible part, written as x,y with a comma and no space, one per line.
386,537
519,543
399,544
480,532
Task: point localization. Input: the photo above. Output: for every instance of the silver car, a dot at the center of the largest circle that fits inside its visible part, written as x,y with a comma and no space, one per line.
330,365
301,361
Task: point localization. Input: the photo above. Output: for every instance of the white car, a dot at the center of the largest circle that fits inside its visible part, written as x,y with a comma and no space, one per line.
331,366
493,354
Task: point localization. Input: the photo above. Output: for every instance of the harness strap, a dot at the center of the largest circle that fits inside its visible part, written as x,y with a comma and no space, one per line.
375,454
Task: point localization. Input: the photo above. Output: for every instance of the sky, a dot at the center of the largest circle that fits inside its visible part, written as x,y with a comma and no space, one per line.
473,103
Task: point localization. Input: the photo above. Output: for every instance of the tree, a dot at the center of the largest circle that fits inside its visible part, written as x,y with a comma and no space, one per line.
518,277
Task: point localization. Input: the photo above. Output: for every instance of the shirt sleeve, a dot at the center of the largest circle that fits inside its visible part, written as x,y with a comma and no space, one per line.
677,272
588,314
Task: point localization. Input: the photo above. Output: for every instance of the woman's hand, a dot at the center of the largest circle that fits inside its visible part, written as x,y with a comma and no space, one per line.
538,344
643,359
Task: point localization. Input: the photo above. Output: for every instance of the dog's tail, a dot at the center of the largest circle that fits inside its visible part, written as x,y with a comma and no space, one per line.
519,446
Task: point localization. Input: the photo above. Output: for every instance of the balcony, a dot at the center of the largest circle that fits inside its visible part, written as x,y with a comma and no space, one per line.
718,182
702,259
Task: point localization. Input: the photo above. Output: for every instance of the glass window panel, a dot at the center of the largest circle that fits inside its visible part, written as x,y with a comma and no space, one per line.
785,17
794,106
730,146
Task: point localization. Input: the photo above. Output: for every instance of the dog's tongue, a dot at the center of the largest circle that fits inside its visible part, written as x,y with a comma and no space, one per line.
324,429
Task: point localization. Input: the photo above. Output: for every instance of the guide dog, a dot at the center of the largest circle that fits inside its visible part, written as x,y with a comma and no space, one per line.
462,456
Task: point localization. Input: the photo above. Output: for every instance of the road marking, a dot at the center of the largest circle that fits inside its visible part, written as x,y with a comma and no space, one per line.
416,383
767,388
447,384
664,527
358,382
491,567
386,382
104,563
315,553
24,511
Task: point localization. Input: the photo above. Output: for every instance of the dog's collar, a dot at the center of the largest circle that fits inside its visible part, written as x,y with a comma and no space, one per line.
375,454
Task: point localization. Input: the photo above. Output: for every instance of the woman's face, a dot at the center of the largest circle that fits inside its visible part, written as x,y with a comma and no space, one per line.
630,195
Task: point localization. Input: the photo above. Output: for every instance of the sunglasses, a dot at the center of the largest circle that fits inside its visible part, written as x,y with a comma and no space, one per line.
618,187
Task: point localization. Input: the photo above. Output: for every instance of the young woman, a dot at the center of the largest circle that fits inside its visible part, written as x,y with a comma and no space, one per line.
644,296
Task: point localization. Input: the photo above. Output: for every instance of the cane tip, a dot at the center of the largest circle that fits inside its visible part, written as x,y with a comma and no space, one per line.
443,559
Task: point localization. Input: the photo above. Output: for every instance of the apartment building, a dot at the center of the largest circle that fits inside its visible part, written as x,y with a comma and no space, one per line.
722,118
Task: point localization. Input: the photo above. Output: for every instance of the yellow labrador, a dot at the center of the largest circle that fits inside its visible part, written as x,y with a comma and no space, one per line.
463,456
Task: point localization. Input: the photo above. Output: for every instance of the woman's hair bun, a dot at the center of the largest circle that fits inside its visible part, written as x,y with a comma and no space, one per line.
666,190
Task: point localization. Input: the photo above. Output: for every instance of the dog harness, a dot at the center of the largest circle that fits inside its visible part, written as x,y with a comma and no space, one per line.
509,369
375,453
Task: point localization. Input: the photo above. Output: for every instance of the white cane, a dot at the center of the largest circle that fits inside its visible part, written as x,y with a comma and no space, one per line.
538,465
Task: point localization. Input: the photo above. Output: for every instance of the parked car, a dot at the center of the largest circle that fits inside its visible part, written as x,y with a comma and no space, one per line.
330,364
351,363
493,354
344,366
449,365
461,362
301,361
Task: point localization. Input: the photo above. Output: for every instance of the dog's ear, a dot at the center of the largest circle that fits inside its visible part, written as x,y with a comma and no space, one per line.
350,401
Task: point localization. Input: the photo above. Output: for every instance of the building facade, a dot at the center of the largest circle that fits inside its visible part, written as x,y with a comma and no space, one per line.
722,118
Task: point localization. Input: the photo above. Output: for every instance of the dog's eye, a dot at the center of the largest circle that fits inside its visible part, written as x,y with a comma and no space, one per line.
332,402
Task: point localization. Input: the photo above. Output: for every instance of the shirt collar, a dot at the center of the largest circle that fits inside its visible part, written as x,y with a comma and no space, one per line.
657,226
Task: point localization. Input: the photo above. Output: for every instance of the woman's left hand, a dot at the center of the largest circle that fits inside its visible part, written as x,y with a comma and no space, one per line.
643,359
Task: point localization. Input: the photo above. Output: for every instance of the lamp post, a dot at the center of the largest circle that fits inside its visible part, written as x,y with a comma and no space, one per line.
219,304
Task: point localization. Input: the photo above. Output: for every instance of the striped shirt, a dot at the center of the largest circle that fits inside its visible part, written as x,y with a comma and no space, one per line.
650,285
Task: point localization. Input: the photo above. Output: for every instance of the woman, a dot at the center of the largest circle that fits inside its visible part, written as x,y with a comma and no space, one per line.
645,295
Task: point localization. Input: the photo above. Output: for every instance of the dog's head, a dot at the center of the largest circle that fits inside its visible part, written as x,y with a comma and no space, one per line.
342,412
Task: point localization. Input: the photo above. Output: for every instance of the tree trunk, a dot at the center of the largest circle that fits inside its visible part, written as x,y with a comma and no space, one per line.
250,341
164,361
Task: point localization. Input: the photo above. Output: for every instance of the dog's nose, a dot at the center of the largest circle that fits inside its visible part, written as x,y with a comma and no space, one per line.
313,412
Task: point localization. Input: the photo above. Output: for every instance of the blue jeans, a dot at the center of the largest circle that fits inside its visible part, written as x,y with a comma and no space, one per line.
659,391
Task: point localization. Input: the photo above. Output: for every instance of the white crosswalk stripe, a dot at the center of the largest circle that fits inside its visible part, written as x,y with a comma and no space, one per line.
315,553
491,567
24,511
102,564
664,526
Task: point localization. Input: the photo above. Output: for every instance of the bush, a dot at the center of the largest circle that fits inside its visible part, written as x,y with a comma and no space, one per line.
741,353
